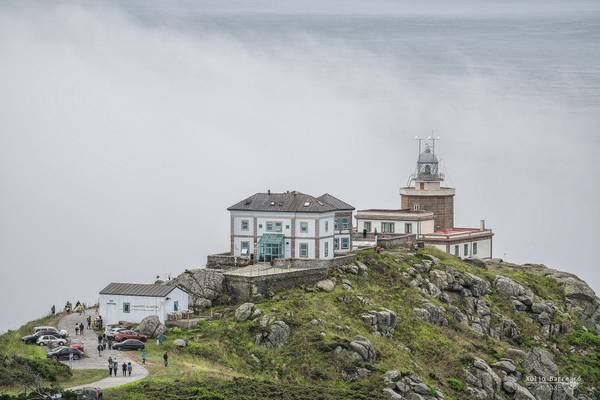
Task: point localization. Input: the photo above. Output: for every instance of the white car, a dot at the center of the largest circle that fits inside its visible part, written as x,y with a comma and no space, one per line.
51,341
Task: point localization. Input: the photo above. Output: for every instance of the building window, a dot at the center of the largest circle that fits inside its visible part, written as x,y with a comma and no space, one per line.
456,251
245,248
475,248
367,226
274,226
303,250
245,225
303,227
387,227
466,249
345,243
408,228
176,306
342,224
126,307
336,244
326,226
326,250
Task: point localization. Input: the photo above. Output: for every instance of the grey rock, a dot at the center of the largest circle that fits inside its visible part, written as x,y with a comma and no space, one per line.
364,348
276,336
507,366
244,311
201,284
326,285
389,392
151,326
507,288
506,329
476,262
179,343
482,381
540,362
432,314
382,322
203,303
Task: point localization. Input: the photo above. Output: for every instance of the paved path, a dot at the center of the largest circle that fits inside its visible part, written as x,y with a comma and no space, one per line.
93,360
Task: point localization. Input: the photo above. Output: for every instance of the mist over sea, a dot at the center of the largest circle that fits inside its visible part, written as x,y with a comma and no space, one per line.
127,128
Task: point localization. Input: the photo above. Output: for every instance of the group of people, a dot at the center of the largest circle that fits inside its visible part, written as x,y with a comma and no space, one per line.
103,343
79,328
113,367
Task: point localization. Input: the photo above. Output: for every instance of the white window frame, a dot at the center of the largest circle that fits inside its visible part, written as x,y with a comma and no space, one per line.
407,227
273,226
466,249
345,240
303,227
126,308
367,226
245,225
383,224
326,249
456,250
303,250
176,305
336,244
326,226
475,248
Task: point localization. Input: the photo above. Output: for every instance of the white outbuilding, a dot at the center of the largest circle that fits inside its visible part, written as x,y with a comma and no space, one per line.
132,302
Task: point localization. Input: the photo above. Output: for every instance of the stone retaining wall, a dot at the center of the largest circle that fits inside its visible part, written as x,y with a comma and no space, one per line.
286,263
242,288
226,261
397,241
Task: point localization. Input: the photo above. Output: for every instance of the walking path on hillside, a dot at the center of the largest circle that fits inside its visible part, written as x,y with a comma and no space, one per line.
93,360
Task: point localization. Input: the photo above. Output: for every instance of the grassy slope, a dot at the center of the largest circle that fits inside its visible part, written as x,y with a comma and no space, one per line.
28,358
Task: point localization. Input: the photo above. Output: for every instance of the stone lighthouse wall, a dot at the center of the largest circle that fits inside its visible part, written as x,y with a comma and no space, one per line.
442,207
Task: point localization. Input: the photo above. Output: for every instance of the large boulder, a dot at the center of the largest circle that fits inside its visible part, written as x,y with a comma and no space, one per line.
540,362
246,311
432,314
380,322
505,329
179,343
202,284
151,326
482,382
408,386
276,333
326,285
509,289
363,348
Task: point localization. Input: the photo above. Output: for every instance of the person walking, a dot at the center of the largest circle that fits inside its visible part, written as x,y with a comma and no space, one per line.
89,321
166,359
53,309
99,350
144,355
81,328
76,329
124,368
110,366
129,368
115,367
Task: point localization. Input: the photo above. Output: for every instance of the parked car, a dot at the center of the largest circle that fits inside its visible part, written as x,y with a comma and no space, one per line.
124,335
129,344
110,333
51,340
88,393
62,353
31,339
76,344
44,328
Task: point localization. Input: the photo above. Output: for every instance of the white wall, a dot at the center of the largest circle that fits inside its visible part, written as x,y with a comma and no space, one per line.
111,306
311,247
484,248
329,242
399,225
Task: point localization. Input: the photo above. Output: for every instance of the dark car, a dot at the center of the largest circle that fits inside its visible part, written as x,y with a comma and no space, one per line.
87,393
31,339
125,335
63,353
129,344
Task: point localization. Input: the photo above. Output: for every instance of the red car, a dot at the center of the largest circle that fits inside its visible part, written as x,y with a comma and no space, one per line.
76,344
119,337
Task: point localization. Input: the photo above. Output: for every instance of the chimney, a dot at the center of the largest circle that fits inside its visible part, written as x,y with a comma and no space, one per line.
269,192
482,224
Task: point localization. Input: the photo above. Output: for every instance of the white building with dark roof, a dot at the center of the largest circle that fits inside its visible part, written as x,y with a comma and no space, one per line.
266,226
132,302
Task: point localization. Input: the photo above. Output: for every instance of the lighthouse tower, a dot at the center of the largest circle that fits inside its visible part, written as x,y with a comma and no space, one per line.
425,190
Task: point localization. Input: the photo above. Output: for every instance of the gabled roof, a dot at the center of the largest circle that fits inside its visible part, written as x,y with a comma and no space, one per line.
283,202
138,289
337,203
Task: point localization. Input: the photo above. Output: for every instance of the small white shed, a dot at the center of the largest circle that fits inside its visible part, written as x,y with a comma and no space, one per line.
132,302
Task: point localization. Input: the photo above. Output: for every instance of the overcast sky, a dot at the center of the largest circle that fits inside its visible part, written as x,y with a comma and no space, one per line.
122,142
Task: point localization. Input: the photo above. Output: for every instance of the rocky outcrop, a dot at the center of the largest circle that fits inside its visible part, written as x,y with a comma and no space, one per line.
363,347
485,383
505,329
179,343
408,387
247,311
521,297
432,314
151,326
380,322
540,362
204,286
274,334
